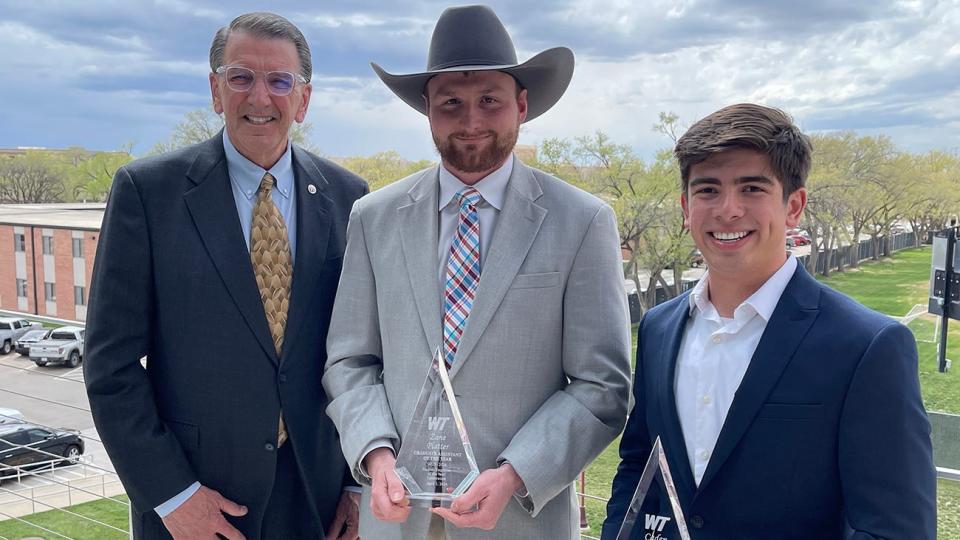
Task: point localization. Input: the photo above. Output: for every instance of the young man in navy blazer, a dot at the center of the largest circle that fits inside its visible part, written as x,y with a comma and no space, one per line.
787,410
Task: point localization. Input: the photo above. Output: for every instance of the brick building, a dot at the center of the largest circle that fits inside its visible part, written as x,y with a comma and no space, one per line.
46,257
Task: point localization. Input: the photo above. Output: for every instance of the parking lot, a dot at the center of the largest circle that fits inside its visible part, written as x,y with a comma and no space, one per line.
53,396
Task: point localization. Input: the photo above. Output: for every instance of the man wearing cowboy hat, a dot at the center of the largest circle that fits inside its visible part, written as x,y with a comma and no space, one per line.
515,274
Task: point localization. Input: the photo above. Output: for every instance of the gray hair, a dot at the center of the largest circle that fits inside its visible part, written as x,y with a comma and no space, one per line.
262,25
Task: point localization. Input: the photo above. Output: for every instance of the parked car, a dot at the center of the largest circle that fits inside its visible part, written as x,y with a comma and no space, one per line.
28,446
64,345
32,336
11,330
10,416
797,238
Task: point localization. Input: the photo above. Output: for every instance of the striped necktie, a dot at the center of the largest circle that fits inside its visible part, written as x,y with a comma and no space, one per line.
463,273
270,254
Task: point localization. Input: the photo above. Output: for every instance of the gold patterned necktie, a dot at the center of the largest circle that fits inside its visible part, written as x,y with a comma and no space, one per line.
270,254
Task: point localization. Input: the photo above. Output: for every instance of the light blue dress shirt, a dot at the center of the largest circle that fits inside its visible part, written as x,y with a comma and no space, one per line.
245,177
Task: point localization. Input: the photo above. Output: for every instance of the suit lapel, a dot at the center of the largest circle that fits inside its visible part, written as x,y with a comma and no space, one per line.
313,224
214,213
792,318
672,433
517,227
419,235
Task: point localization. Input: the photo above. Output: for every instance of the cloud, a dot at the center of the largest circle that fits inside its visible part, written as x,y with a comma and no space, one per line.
104,72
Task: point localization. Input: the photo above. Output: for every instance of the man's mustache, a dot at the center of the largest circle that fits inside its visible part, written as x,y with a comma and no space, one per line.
467,135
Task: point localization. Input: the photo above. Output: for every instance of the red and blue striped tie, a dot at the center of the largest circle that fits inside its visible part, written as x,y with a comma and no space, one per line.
463,273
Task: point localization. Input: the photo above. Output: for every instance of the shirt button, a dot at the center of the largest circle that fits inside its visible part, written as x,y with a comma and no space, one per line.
268,447
706,399
704,455
716,339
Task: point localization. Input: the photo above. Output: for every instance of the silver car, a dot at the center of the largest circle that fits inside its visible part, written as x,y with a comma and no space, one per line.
64,345
11,330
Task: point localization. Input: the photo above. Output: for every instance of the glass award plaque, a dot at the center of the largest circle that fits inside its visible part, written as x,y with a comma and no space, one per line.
436,462
655,526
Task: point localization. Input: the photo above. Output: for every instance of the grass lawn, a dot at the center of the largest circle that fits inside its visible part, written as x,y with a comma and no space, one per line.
105,511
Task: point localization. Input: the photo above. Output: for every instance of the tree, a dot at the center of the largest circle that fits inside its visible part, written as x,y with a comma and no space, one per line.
201,124
644,197
93,177
933,195
382,168
850,189
32,178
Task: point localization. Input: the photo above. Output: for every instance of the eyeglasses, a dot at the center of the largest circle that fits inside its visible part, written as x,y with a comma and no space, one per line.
241,79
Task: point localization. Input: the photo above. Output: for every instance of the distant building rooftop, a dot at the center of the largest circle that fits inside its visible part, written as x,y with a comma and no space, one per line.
74,216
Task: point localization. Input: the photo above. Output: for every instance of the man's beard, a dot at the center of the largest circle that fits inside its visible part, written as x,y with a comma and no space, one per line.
471,158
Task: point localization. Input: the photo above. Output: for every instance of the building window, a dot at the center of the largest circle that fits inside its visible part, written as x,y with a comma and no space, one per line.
21,288
79,296
19,242
48,245
49,291
78,248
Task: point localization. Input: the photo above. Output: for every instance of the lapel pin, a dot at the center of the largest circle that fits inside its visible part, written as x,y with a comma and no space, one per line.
312,189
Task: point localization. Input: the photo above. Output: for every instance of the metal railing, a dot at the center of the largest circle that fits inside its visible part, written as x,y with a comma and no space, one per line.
58,483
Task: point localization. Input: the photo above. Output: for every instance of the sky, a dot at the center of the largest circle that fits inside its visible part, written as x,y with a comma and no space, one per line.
105,73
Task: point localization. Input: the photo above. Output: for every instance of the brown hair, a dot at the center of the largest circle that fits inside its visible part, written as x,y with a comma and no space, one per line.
754,127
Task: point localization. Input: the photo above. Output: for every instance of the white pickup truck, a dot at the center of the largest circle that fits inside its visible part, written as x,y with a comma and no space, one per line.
11,330
64,345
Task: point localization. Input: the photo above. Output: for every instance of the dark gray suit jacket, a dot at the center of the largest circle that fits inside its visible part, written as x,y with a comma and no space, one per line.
173,283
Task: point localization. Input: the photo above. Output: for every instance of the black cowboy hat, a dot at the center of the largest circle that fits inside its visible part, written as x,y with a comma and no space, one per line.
472,38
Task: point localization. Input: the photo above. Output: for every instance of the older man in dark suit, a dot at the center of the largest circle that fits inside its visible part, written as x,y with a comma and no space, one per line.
219,263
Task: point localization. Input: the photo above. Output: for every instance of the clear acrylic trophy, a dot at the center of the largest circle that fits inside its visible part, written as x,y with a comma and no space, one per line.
436,461
654,525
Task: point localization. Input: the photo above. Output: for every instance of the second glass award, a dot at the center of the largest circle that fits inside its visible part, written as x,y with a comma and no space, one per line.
655,526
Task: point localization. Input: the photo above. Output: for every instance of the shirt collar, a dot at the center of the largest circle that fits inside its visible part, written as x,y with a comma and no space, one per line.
492,188
762,302
246,175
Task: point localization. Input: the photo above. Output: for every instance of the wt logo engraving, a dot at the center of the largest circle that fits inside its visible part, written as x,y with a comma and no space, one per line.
435,423
654,523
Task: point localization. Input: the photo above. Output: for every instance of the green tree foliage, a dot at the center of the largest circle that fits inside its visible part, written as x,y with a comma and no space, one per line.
93,177
382,168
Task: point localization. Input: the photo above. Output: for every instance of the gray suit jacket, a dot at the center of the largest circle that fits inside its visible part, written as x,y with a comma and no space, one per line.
542,371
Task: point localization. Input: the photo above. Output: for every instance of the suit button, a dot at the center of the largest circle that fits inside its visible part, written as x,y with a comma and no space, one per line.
283,378
268,447
696,522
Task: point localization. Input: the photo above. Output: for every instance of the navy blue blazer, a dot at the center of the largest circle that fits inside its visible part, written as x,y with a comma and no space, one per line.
173,282
826,437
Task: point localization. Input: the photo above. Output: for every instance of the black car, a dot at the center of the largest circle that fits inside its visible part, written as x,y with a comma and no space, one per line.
29,446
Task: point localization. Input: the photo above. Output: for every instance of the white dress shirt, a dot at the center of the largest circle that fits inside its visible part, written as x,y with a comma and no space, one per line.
492,188
714,355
